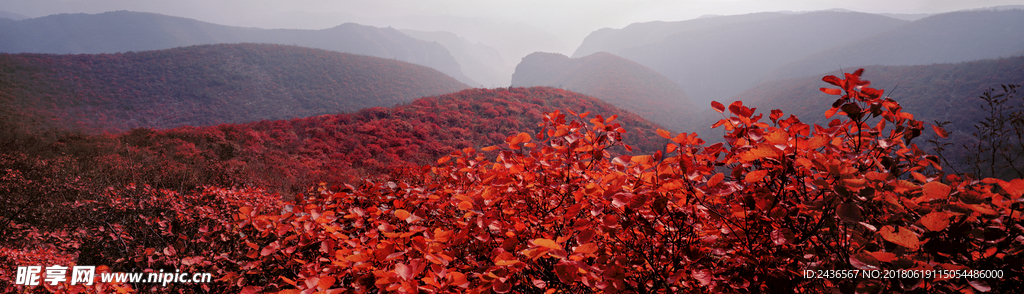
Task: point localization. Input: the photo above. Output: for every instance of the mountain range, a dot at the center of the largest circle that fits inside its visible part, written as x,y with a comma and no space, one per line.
941,38
124,31
203,85
716,58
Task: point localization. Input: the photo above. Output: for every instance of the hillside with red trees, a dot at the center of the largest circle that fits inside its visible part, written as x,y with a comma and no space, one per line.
203,86
780,206
614,79
288,156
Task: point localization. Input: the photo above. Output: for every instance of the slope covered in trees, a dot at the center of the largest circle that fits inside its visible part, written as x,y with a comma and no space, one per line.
203,85
289,155
123,31
618,81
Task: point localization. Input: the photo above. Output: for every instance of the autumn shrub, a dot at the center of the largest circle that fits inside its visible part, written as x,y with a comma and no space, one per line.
556,211
561,210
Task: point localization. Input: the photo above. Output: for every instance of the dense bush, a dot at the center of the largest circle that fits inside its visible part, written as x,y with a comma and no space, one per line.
562,210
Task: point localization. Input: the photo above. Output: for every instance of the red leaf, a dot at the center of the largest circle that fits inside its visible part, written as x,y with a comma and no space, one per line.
936,221
717,178
402,214
718,106
832,80
325,283
864,261
883,256
501,287
664,134
858,72
756,176
567,273
980,285
832,111
457,279
738,109
735,107
547,243
404,271
872,92
270,249
934,190
901,236
1014,187
586,248
832,91
940,131
849,213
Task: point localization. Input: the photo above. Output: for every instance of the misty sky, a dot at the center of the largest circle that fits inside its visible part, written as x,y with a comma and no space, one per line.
565,23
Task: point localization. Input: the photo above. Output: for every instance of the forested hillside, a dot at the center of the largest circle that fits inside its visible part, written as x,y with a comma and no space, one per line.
202,86
290,155
618,81
123,31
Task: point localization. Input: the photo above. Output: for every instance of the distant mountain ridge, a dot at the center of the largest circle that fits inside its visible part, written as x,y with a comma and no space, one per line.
716,58
941,38
616,80
123,31
203,85
11,15
639,34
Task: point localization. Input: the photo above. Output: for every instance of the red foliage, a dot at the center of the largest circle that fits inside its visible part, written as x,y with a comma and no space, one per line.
288,156
560,210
